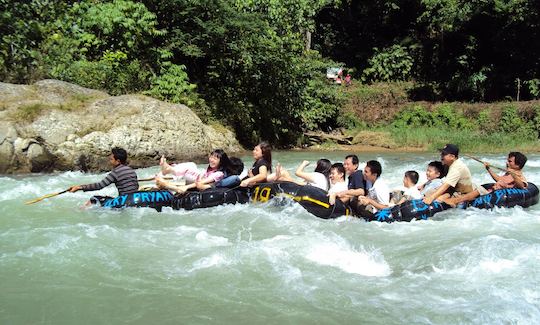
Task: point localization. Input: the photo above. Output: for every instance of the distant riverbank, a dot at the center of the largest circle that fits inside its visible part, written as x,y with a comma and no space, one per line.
427,140
383,116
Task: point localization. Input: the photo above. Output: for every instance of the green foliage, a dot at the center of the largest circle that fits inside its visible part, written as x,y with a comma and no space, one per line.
251,69
173,85
478,82
467,140
533,86
114,73
389,64
320,100
320,108
511,123
461,50
104,45
28,112
484,122
350,120
413,117
536,120
245,62
445,116
442,16
23,25
364,93
291,19
118,26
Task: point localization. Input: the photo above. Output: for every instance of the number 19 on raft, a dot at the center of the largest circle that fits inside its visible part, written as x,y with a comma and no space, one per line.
261,195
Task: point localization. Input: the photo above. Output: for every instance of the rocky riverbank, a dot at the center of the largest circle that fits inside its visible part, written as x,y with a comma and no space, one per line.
54,125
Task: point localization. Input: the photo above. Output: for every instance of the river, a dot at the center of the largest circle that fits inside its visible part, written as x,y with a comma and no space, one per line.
265,263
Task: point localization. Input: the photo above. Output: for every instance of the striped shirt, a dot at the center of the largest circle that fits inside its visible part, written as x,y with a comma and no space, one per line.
124,177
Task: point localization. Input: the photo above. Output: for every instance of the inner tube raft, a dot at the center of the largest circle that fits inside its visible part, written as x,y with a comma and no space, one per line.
141,199
313,199
161,198
210,198
418,210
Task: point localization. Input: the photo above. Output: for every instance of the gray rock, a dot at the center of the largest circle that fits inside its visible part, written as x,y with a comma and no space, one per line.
7,132
39,158
6,156
60,92
14,93
21,145
81,137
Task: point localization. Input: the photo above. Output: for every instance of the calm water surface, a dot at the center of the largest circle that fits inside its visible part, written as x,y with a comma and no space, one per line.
241,264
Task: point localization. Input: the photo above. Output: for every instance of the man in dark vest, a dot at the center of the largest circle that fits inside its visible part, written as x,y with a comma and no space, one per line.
357,185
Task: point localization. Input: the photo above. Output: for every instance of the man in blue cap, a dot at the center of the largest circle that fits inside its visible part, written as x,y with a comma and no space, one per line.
458,181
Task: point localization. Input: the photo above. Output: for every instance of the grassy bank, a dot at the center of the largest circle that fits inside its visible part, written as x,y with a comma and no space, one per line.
432,138
382,115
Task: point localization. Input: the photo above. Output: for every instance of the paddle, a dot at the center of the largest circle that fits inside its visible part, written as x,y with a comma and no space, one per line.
152,178
490,165
46,197
64,191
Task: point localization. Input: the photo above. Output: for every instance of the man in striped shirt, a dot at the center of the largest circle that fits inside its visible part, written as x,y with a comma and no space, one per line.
123,176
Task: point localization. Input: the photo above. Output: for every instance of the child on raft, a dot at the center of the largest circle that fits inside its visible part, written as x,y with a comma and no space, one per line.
411,192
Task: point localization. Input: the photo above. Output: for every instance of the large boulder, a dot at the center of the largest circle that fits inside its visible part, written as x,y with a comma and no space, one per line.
54,125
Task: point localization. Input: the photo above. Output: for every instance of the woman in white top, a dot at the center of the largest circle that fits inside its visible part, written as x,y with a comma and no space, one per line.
317,178
337,182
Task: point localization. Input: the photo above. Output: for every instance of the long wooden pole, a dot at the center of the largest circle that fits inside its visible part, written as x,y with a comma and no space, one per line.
481,161
152,178
46,197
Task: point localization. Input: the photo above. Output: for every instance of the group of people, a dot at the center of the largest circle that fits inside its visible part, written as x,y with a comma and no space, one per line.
448,180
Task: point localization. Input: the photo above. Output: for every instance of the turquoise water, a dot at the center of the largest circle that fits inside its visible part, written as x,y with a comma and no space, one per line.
240,264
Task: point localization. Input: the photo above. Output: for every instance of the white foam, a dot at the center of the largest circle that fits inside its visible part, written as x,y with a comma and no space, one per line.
59,244
533,163
210,261
94,231
276,239
210,240
349,260
532,296
496,266
181,230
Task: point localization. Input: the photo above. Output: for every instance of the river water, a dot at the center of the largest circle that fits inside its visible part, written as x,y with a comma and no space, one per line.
241,264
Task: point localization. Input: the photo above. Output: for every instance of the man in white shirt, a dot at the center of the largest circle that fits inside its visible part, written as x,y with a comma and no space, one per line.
378,195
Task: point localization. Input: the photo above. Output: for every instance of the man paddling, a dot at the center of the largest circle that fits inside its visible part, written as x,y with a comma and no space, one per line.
512,178
123,176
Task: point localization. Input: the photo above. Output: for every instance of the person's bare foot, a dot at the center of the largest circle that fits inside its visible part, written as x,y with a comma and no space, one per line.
165,167
278,171
332,199
453,202
180,189
161,183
